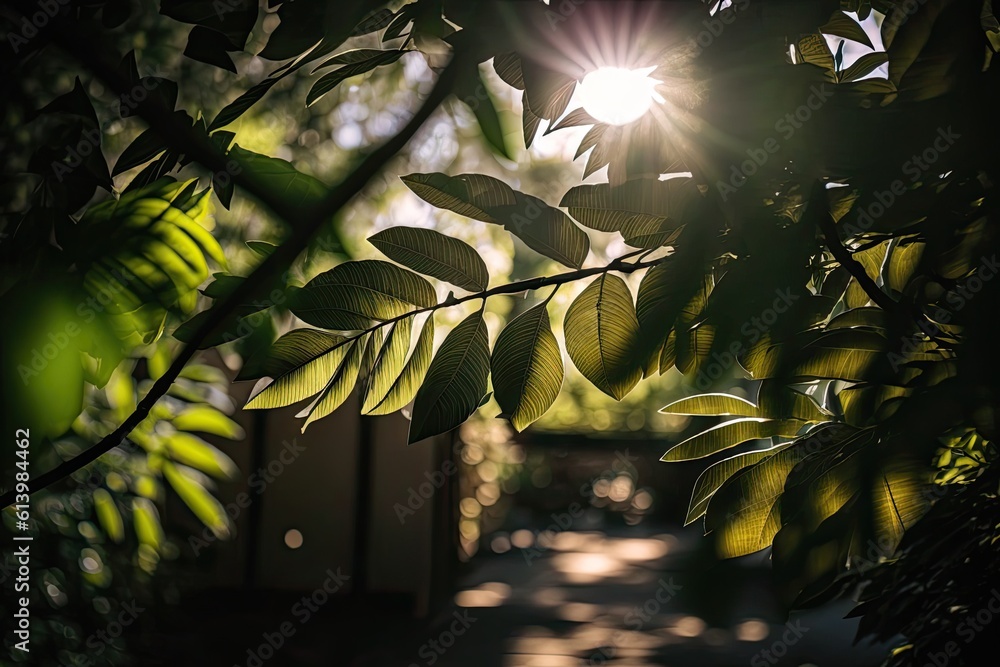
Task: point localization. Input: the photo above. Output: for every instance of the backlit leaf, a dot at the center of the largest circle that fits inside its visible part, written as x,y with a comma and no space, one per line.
455,382
527,367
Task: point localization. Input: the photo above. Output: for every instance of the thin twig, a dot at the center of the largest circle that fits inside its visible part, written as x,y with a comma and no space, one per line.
531,284
840,252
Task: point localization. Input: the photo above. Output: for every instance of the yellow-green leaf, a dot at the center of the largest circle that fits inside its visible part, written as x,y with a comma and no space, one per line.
715,476
388,364
340,386
195,452
434,254
405,386
349,296
108,515
455,382
311,358
527,367
202,503
729,434
207,419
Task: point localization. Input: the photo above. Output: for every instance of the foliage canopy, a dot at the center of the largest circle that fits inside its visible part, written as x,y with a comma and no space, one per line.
823,225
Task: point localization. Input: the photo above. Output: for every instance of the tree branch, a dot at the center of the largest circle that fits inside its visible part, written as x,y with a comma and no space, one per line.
273,265
531,284
840,252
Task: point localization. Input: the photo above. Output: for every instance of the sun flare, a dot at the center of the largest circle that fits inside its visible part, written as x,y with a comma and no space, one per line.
618,96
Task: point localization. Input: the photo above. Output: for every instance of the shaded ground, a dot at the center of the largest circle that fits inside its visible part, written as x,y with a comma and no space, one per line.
597,599
584,598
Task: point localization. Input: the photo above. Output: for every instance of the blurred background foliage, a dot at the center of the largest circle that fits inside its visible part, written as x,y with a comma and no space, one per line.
57,202
111,546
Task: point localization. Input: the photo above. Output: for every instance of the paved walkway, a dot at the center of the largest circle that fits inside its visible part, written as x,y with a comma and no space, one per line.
628,600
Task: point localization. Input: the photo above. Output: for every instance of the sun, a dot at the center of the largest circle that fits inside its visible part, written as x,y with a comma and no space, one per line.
617,95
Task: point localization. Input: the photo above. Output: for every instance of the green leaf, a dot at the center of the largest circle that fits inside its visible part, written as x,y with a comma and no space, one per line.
508,68
352,57
471,195
729,434
146,521
842,354
207,419
262,248
870,317
434,254
745,512
814,50
548,90
376,20
864,66
357,64
211,47
715,476
842,25
871,259
602,332
862,401
143,148
349,296
694,347
204,505
663,292
254,94
646,231
281,177
471,88
292,350
746,519
529,121
405,387
903,263
609,208
303,362
574,118
108,515
195,452
711,404
527,367
388,365
542,228
545,230
339,388
778,401
455,382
